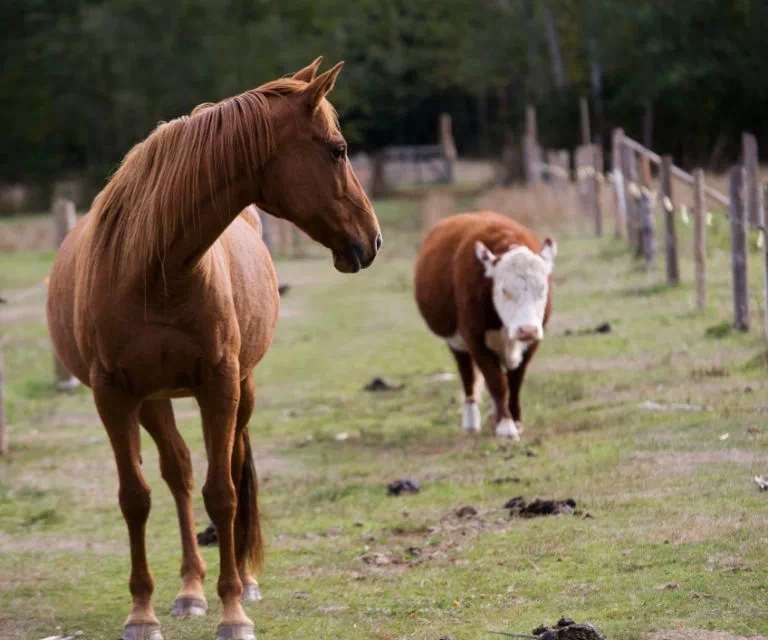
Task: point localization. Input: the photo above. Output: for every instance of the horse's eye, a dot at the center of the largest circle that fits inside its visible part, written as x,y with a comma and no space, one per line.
339,151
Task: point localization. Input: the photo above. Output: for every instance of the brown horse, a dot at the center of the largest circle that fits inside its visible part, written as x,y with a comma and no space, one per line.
164,290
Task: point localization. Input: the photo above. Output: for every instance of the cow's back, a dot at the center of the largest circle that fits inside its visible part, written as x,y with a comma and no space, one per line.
448,274
433,280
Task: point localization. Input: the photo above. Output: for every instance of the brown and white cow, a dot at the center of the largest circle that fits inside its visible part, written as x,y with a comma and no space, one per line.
483,284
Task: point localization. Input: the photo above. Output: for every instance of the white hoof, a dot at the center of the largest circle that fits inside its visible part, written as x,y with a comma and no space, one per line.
470,418
507,429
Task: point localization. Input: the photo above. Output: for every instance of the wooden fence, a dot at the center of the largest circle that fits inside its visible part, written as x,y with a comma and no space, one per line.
638,198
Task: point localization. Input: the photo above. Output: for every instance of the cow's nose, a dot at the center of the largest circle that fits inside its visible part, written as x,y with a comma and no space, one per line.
528,333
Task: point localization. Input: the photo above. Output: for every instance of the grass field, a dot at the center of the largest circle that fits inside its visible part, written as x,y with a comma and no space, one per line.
630,424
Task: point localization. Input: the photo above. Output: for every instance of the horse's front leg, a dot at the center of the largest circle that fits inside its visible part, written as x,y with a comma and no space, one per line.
176,468
119,411
219,399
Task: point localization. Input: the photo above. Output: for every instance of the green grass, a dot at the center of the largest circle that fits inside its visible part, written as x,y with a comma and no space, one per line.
672,503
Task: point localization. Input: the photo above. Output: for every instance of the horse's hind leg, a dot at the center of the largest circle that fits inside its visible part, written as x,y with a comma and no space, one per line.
120,414
176,469
251,591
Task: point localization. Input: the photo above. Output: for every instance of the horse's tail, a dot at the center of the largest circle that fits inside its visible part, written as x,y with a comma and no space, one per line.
249,544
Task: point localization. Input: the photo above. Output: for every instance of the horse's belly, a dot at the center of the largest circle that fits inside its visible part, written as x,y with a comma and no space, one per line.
170,394
161,362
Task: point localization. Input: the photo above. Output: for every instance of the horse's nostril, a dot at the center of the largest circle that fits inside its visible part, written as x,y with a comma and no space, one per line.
379,240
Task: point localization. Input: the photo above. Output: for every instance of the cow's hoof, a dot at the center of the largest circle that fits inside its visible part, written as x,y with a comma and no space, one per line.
189,606
507,429
235,632
251,592
470,418
142,632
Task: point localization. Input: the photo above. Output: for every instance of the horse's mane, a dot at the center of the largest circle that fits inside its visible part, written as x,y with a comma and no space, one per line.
154,195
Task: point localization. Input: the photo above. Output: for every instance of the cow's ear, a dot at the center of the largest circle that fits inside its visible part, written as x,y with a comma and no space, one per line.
549,251
487,258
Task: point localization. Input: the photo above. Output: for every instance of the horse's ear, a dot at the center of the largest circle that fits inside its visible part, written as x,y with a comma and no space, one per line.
320,86
308,73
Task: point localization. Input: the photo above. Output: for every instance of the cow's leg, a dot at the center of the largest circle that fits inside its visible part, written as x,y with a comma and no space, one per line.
515,381
176,469
498,388
471,381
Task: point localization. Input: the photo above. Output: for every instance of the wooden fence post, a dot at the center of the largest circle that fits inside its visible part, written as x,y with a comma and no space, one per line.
620,218
752,186
558,169
565,168
64,219
266,227
582,179
595,164
531,152
763,195
699,238
738,216
646,248
586,136
670,233
448,145
550,157
647,236
629,170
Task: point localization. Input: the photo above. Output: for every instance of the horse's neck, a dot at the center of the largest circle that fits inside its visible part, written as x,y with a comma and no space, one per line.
211,218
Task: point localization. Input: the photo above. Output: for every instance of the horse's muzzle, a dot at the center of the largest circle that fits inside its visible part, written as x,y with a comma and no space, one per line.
355,256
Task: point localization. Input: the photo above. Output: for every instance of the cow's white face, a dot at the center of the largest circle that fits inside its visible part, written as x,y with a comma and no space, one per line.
520,287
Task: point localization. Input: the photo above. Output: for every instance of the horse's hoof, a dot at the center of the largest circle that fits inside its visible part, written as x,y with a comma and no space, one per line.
185,606
251,592
142,632
235,632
